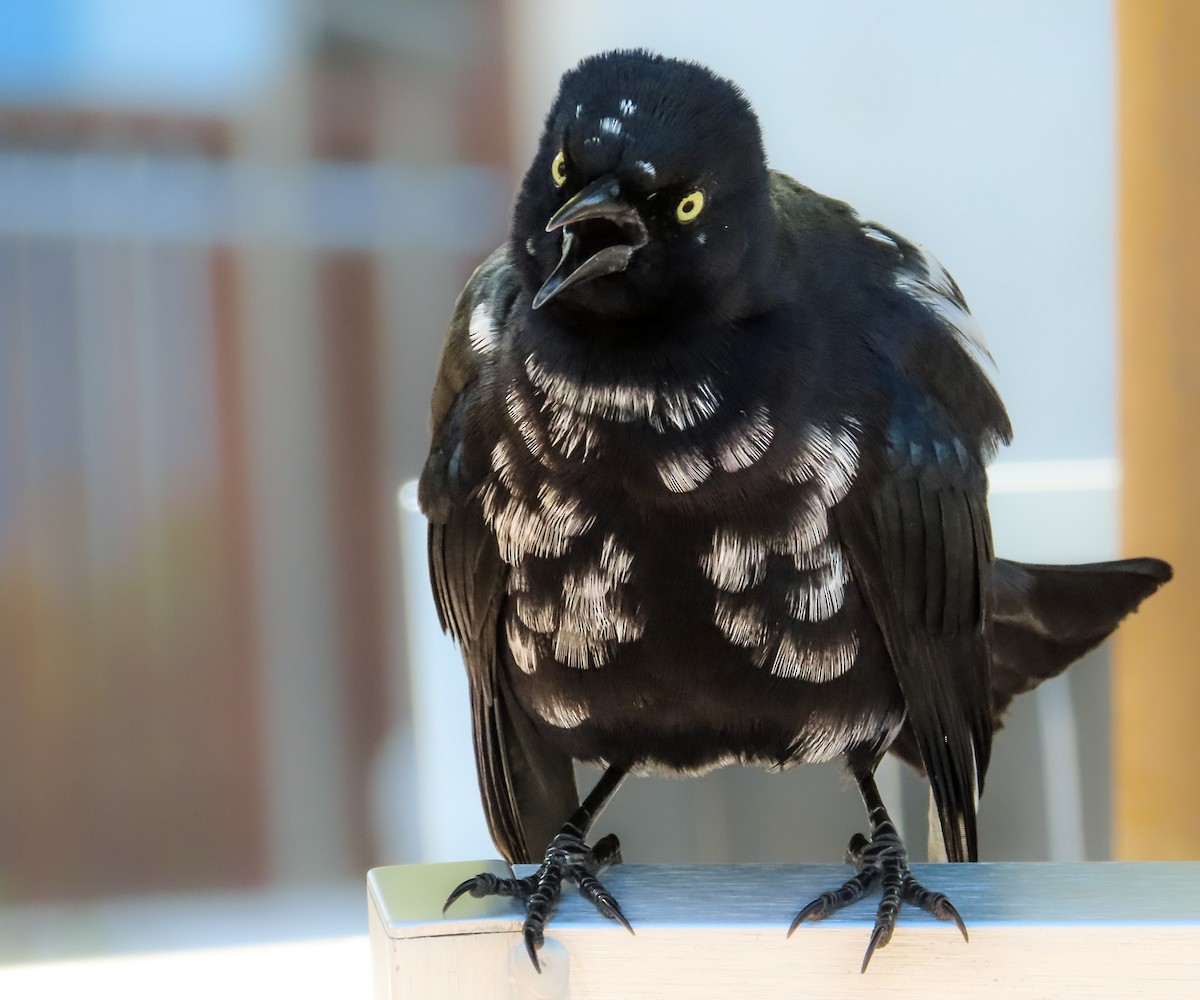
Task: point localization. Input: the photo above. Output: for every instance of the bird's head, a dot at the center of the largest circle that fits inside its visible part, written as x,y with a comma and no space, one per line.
648,194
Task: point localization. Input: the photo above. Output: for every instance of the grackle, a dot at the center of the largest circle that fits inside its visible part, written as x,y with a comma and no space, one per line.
707,485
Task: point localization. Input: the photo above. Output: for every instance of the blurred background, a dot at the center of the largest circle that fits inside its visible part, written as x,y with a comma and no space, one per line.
231,232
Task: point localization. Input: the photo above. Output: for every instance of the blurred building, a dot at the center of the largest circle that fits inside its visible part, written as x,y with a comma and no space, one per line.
229,231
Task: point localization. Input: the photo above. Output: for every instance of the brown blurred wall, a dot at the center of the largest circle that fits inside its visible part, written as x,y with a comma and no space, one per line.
1156,694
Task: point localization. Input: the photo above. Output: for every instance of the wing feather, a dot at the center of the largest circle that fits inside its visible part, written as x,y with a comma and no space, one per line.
527,786
917,531
920,548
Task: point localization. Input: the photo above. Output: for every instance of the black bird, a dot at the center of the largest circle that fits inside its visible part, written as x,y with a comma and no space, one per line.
707,486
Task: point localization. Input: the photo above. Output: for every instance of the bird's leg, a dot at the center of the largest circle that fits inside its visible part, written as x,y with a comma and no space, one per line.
567,858
882,860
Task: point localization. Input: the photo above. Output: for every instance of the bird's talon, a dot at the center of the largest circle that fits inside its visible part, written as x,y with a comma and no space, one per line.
459,891
816,910
881,860
879,939
611,909
533,939
569,859
947,911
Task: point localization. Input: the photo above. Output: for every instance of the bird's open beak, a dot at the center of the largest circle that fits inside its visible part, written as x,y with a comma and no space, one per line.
600,233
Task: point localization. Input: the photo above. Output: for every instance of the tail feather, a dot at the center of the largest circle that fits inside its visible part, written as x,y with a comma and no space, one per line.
1044,618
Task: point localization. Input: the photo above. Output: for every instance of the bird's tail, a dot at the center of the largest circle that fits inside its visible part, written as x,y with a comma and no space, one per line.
1044,618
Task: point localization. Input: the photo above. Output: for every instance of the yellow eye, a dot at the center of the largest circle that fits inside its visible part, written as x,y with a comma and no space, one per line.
558,169
690,206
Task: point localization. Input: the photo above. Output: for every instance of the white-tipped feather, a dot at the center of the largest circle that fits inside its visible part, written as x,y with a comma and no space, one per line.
481,331
684,471
936,290
793,657
747,442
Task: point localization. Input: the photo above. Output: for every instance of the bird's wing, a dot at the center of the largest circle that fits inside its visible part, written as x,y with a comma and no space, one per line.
917,533
528,788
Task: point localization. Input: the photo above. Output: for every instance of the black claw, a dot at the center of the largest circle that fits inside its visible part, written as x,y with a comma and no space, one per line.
952,914
879,939
487,884
532,939
811,910
611,909
462,889
936,903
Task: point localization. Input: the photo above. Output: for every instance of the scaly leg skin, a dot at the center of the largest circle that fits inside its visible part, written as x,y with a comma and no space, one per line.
569,859
882,860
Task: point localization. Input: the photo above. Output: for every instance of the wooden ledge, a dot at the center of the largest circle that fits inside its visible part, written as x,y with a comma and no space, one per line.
1037,930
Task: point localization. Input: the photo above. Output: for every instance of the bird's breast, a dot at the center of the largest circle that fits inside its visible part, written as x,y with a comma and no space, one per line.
673,567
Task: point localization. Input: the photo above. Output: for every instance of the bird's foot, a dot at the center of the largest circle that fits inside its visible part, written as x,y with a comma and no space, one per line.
882,860
569,859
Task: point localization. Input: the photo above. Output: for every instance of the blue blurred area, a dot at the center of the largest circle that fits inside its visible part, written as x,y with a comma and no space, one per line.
38,47
182,53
